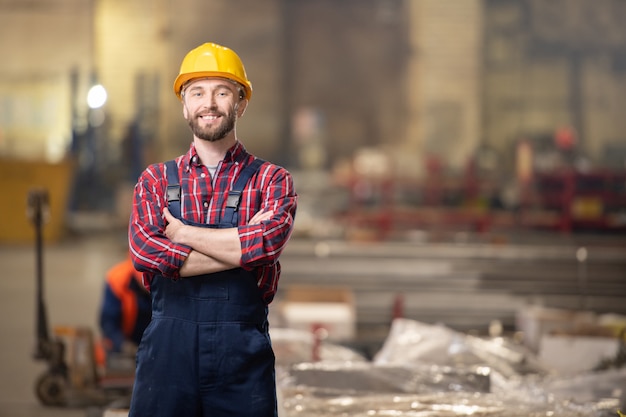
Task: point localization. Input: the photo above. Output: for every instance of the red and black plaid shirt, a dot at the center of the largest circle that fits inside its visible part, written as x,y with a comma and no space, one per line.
203,200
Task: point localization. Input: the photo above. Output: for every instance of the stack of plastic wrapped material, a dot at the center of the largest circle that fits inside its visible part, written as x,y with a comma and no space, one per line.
440,404
432,371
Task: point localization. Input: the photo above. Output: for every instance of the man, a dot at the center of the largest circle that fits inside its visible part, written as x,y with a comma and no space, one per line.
207,231
125,311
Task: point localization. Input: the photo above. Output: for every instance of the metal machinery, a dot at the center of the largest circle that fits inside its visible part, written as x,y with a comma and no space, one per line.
563,199
74,376
569,200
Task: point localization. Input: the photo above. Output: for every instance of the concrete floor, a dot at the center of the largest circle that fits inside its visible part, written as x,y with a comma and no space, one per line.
73,277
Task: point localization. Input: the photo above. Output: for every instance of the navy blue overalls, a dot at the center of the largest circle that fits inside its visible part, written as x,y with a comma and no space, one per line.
207,350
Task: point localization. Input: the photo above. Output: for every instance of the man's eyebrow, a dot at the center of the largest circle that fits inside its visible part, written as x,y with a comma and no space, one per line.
225,85
196,87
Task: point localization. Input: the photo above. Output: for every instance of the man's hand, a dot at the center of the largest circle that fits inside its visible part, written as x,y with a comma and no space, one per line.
173,227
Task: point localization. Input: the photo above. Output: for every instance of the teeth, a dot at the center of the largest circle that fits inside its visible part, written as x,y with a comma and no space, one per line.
209,117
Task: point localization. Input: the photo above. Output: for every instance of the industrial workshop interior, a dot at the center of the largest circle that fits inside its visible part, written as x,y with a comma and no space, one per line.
459,247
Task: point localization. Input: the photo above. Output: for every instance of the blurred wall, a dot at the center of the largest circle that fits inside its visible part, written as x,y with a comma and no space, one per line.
445,80
41,44
552,65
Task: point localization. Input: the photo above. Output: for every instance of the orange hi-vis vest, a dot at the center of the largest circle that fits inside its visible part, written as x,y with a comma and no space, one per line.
118,279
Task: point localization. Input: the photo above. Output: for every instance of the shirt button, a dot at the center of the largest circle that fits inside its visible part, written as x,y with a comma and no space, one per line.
205,204
203,175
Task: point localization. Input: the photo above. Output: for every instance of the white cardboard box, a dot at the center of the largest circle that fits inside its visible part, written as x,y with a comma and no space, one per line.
312,308
536,321
569,355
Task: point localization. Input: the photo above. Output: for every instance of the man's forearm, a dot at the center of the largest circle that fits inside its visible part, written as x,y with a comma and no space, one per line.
198,263
221,245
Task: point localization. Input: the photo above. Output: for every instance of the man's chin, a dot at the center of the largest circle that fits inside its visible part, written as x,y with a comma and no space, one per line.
211,136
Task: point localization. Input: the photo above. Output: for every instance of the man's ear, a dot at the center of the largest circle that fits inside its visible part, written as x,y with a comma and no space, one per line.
185,113
241,108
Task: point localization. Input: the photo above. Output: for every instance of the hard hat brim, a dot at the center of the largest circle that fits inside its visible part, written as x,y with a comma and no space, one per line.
183,79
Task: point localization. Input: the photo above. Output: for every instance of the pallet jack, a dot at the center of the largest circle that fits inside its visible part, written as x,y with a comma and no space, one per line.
74,376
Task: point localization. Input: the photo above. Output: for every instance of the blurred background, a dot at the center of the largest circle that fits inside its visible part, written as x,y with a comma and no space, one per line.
456,161
493,112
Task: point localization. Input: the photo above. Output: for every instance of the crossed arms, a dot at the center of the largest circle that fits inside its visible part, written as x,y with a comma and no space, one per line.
213,250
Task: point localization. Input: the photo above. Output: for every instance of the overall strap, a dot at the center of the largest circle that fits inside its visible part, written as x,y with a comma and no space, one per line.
173,188
234,195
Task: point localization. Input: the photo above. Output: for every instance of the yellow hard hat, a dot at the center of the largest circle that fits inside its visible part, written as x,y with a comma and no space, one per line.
212,60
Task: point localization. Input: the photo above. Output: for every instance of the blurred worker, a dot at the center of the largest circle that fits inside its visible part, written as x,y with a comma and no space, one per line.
125,310
207,229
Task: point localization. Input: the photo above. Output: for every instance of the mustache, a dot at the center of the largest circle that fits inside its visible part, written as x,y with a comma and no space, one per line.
210,112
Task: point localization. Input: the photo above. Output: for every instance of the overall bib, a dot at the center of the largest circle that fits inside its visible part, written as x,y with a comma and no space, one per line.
207,350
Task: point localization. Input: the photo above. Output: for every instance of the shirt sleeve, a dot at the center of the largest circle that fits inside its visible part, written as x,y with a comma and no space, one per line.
151,251
262,244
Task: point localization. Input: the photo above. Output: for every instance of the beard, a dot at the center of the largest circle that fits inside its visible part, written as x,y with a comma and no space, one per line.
213,134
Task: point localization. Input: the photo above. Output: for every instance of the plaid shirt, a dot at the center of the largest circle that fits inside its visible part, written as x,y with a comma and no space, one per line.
202,201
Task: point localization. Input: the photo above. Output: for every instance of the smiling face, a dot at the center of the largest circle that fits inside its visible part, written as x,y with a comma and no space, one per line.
211,107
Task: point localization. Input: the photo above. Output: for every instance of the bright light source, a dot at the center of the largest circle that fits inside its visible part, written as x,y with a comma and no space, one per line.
96,97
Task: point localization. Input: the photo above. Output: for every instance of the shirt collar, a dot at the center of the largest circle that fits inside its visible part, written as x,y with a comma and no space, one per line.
235,154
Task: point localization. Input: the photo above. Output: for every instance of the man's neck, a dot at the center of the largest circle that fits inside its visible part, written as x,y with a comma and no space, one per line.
211,153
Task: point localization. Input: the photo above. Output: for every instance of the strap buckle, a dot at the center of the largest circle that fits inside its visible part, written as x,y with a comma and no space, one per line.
173,193
234,197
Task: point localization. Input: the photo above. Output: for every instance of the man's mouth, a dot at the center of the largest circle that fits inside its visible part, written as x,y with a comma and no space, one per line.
209,117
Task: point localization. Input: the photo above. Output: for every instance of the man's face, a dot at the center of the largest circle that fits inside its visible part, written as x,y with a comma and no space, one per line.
211,107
